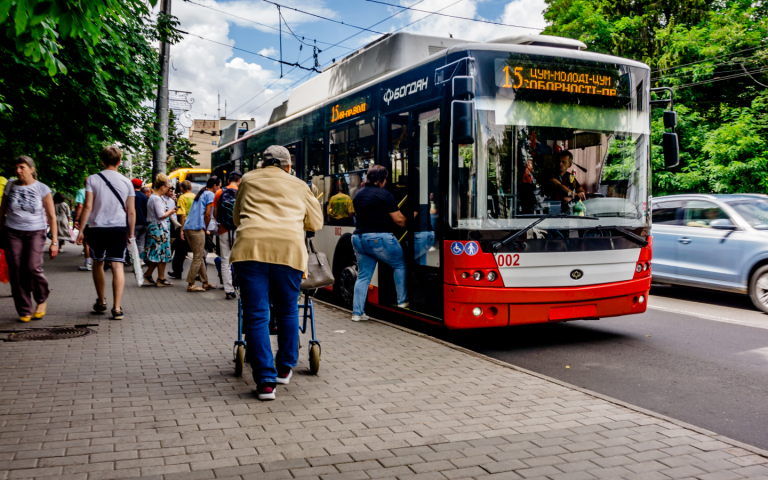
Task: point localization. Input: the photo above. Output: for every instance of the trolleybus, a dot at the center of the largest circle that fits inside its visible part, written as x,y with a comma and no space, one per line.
472,135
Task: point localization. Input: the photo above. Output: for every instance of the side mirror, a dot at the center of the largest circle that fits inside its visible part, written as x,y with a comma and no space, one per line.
671,150
670,119
722,224
463,122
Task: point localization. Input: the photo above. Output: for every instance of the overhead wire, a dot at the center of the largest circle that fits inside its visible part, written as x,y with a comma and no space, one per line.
322,17
720,79
258,23
452,16
290,64
707,59
686,74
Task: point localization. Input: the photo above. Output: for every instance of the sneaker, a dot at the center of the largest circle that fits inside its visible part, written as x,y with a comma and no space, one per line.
175,275
85,268
230,296
117,314
284,377
359,318
99,307
266,391
404,305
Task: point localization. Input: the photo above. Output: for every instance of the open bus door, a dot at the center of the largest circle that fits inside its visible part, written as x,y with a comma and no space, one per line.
413,150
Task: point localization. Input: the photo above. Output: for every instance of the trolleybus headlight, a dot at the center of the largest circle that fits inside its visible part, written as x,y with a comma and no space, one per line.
641,299
477,311
639,268
478,275
492,276
645,266
464,274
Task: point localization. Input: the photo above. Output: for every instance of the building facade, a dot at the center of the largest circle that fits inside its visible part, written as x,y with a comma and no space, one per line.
207,136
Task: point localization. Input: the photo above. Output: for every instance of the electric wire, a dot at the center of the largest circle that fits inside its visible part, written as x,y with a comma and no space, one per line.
452,16
257,23
707,59
686,74
324,18
290,64
721,79
427,16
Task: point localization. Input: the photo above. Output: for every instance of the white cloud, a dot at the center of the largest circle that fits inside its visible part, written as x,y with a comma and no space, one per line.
208,69
268,52
524,13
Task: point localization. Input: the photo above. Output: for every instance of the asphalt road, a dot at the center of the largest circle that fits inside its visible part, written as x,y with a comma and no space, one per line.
697,356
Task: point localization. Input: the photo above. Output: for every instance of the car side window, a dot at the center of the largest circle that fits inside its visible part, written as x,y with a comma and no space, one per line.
700,214
667,213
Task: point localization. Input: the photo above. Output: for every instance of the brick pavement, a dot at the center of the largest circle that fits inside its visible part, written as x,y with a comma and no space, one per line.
154,396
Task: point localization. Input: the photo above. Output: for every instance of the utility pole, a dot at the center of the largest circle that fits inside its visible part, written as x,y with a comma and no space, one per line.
160,157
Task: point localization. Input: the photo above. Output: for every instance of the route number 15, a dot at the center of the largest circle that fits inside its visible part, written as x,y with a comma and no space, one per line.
508,260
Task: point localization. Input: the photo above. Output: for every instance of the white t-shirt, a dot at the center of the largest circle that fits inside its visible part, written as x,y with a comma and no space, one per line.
25,206
107,211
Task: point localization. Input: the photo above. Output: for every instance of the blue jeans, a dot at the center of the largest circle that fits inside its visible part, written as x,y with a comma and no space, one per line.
259,282
369,249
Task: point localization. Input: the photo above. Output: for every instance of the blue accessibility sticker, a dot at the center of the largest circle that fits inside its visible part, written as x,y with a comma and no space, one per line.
457,248
471,248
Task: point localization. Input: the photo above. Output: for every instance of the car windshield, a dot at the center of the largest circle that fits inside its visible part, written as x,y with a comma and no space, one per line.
529,110
753,210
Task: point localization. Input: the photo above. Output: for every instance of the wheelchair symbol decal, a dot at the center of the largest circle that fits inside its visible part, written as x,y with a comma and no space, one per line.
457,248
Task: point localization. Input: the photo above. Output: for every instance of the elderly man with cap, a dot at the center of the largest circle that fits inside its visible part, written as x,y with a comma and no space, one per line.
140,230
272,211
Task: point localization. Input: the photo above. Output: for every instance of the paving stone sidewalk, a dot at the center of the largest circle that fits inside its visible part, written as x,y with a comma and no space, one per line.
154,396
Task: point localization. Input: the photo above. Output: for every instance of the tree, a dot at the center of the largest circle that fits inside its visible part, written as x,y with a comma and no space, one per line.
690,45
64,120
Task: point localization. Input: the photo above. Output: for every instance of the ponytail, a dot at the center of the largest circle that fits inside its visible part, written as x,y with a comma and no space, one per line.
214,180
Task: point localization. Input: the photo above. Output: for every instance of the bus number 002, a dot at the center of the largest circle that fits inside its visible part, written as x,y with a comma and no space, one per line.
508,260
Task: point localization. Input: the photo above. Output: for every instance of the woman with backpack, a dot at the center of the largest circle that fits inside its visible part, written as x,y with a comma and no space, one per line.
198,217
223,208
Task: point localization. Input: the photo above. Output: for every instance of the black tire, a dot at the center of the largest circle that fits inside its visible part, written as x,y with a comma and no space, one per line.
314,358
239,361
758,288
345,281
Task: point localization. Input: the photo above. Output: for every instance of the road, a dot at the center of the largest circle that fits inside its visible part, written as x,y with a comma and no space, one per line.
697,356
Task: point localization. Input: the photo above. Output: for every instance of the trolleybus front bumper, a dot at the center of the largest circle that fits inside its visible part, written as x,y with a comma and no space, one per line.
479,307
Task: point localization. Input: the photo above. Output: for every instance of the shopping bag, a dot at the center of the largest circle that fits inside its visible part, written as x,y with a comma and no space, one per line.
133,249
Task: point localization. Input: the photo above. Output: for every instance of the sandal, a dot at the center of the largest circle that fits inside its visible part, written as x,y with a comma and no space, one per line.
117,314
208,286
100,307
164,283
149,280
195,288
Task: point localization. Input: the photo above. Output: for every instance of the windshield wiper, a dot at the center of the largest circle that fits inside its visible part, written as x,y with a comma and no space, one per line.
514,236
632,236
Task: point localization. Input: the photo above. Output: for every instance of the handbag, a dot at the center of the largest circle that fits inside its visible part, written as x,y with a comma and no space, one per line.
319,273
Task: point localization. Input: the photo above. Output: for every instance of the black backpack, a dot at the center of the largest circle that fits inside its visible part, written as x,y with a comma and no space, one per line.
227,208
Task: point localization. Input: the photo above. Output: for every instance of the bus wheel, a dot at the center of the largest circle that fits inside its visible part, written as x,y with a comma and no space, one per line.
346,282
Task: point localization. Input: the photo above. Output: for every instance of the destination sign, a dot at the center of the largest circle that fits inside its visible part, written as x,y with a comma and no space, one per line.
533,77
349,107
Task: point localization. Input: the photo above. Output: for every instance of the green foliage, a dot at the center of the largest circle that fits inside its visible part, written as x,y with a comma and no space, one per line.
37,28
723,125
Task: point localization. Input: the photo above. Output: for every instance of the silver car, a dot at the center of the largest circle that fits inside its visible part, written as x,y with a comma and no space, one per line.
713,241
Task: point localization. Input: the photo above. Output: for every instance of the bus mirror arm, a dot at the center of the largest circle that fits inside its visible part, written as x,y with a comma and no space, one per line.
511,238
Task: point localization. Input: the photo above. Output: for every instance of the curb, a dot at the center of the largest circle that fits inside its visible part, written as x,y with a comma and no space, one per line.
650,413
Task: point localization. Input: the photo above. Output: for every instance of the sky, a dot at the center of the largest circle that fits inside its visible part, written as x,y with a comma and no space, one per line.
222,63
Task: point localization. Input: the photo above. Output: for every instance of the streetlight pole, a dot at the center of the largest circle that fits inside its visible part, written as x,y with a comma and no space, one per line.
160,157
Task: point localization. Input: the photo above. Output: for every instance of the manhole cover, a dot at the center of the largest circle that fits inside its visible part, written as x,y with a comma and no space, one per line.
49,334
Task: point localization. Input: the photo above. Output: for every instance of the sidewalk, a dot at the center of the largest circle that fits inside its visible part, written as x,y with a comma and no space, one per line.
155,396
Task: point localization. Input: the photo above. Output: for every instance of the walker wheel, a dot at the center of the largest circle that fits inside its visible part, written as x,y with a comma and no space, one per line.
314,358
239,361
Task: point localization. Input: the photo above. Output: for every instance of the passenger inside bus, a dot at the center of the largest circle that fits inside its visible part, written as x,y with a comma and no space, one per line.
340,208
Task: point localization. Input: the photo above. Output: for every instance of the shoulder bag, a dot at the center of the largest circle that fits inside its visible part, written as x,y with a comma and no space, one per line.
319,273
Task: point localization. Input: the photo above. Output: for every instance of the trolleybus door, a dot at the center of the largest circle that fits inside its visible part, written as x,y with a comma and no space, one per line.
413,150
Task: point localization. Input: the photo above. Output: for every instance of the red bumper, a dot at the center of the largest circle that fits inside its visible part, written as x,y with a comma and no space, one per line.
519,306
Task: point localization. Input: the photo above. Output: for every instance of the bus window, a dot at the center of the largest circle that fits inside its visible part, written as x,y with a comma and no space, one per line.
352,146
426,188
342,189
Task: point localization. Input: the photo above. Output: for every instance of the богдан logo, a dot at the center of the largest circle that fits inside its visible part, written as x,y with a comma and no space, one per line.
405,90
577,274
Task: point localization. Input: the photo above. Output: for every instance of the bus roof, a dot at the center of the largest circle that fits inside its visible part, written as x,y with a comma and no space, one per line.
178,172
394,54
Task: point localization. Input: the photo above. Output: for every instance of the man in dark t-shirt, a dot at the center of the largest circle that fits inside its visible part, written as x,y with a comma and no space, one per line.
562,184
377,217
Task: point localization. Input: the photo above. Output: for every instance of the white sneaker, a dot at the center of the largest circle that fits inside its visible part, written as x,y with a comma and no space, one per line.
86,268
404,305
360,318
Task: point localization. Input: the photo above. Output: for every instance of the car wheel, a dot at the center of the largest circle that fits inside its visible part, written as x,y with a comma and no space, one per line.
758,288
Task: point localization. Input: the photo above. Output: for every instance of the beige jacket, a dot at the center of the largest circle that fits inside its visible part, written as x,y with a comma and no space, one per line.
273,209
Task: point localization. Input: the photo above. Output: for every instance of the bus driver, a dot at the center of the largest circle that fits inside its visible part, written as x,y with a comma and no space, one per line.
563,185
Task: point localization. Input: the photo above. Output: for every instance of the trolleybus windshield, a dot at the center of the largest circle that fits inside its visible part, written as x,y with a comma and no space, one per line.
530,108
